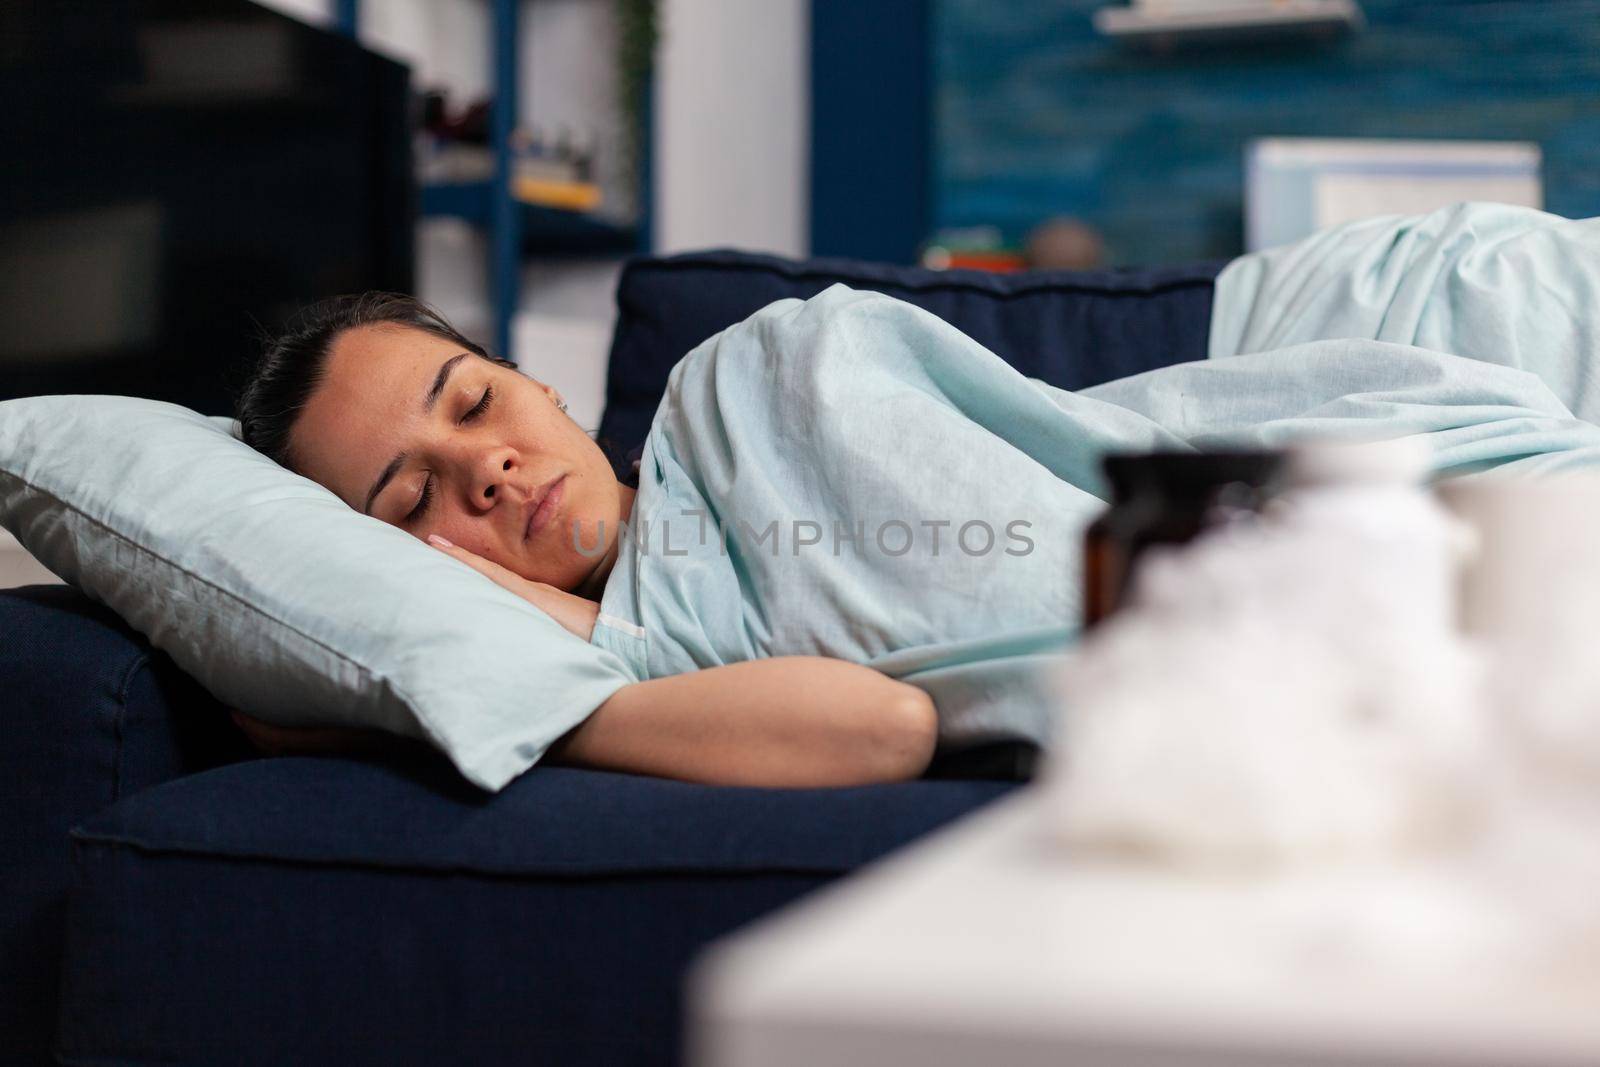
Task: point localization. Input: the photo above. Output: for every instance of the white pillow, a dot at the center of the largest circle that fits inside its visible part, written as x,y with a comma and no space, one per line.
278,597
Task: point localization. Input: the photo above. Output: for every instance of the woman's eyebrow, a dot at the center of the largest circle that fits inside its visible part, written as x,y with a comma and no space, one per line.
439,380
383,479
428,403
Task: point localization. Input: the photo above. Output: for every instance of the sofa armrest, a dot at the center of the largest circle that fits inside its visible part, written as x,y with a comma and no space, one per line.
89,713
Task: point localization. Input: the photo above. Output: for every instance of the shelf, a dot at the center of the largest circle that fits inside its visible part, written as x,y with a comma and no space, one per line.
516,229
1228,22
545,230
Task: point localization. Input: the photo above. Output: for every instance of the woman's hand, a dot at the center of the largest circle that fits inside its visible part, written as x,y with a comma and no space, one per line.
790,721
573,612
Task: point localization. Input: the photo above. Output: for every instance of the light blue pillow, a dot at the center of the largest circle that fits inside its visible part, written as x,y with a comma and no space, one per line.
278,597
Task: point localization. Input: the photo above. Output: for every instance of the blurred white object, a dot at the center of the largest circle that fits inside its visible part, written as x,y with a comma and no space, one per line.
1314,702
1287,689
1532,596
984,944
1295,186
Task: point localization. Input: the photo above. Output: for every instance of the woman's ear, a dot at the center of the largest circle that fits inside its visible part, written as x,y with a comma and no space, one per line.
555,397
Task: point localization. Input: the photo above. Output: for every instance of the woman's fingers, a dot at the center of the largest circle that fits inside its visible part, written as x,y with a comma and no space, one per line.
574,613
503,576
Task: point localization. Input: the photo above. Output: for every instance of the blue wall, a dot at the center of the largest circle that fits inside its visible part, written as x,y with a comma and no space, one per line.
871,165
1035,115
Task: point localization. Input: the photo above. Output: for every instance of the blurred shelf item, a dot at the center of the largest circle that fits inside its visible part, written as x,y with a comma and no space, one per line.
567,196
559,179
956,259
971,248
440,163
557,176
1165,24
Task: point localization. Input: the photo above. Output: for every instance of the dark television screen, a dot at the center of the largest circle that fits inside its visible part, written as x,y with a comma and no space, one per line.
178,175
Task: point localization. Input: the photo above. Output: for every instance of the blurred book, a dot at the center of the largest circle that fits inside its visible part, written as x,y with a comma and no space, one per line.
971,248
566,195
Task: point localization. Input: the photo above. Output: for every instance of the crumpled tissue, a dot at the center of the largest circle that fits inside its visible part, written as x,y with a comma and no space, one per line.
1288,689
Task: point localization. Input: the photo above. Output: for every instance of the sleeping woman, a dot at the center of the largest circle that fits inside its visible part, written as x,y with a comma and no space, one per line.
381,401
855,531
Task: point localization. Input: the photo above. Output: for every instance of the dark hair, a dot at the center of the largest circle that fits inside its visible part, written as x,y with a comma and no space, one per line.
294,362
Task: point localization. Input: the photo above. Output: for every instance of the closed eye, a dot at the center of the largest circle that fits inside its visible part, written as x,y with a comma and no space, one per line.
426,498
422,504
481,406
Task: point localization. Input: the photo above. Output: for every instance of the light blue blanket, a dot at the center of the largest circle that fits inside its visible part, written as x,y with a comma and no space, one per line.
1505,285
850,476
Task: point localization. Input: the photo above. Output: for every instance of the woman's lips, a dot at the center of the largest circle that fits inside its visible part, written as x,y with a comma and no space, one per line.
545,513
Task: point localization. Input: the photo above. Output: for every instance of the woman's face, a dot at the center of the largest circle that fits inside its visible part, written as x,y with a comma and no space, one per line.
411,429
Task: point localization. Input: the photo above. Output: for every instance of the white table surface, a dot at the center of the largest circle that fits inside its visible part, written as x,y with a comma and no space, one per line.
985,943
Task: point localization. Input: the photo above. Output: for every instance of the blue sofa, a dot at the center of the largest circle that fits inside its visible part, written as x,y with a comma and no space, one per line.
169,898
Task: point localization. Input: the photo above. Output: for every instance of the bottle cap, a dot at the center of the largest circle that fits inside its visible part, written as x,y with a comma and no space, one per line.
1193,476
1397,461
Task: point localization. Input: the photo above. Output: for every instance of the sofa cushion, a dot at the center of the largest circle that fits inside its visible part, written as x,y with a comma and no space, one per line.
1073,329
90,713
314,909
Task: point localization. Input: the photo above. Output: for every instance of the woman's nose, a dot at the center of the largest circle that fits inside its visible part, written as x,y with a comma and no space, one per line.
493,472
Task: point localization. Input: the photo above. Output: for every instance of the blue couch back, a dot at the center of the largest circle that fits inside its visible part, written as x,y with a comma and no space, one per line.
1072,329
